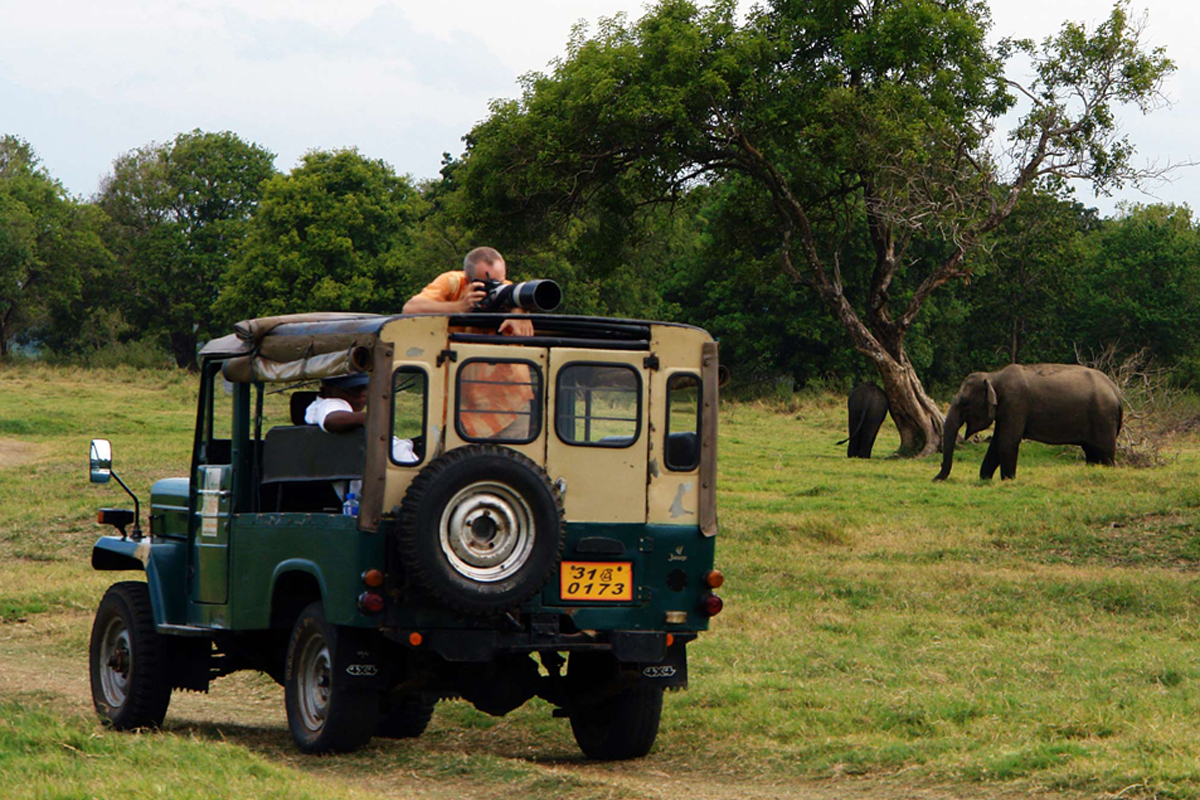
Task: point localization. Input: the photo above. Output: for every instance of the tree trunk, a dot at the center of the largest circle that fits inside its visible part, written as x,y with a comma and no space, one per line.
183,347
916,415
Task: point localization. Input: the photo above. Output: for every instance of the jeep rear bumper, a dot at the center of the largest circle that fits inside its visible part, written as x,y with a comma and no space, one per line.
634,647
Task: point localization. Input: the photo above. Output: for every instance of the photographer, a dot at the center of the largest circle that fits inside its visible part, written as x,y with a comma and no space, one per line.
458,292
500,392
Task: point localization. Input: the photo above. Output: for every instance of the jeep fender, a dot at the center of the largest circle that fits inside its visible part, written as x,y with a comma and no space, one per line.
112,553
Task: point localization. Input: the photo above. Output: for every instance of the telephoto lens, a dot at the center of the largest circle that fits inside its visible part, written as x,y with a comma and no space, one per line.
535,295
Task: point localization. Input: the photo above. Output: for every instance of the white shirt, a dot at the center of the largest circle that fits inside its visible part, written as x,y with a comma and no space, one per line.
315,414
322,407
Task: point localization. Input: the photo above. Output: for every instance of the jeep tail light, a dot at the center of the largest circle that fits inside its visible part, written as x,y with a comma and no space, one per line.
670,639
714,579
711,605
373,578
370,602
415,639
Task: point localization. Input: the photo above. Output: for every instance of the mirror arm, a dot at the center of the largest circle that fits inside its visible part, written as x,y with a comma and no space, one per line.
137,507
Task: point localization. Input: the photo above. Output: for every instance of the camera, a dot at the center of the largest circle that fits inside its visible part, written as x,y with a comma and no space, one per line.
535,295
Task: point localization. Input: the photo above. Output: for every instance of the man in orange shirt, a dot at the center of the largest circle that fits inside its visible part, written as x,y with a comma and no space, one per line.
495,402
458,292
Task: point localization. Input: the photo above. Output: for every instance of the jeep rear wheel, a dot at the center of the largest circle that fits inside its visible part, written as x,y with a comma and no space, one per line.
324,714
610,722
128,660
406,717
481,529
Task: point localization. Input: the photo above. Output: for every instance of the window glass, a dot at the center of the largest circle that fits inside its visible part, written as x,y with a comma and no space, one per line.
598,405
409,387
222,407
683,422
216,435
499,401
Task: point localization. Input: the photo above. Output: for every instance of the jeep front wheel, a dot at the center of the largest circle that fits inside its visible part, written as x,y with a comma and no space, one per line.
481,529
128,660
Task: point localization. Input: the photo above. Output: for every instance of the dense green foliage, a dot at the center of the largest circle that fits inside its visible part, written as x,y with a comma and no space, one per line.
51,254
334,234
775,178
177,214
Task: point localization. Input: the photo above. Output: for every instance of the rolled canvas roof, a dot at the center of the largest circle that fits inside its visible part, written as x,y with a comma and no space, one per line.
296,346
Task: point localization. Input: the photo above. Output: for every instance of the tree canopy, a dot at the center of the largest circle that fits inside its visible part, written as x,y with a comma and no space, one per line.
50,250
177,213
332,235
867,128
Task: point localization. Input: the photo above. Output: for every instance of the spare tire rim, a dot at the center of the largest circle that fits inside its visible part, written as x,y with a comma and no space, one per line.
314,674
487,532
116,663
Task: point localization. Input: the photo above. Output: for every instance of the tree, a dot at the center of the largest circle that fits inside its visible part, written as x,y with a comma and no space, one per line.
334,234
853,118
49,248
1142,288
1033,275
179,211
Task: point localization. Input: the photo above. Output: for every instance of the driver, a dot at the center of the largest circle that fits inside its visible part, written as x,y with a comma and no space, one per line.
340,406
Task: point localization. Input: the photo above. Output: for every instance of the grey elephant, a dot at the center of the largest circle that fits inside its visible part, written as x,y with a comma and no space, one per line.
868,405
1051,403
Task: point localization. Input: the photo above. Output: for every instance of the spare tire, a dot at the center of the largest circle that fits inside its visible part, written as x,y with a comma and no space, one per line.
481,529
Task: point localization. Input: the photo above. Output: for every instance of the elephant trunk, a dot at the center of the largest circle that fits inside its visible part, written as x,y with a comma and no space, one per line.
949,439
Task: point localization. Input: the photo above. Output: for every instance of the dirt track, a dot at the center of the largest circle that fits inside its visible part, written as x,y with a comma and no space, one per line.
14,453
247,710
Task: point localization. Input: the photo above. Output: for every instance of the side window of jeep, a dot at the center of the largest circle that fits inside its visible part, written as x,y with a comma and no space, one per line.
409,413
217,423
683,422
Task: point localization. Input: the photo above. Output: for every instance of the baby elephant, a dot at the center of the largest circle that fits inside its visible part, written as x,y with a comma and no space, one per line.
868,405
1051,403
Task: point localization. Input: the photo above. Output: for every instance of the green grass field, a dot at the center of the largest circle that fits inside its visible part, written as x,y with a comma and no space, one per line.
884,636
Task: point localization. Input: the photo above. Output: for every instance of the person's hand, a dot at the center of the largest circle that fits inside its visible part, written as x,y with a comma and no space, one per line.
516,327
475,294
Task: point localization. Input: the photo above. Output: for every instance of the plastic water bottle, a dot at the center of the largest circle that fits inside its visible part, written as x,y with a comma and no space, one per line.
350,506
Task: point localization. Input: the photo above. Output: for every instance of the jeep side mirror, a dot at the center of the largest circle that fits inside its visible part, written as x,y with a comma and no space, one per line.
101,458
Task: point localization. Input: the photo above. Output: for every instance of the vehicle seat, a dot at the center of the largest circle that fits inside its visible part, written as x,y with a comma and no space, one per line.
301,461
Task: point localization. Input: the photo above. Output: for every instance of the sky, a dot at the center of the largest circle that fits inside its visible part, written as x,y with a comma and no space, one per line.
85,81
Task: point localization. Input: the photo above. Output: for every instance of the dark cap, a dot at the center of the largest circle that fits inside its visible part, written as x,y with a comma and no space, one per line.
352,381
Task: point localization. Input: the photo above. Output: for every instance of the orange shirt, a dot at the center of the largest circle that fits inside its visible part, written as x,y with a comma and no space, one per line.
447,287
488,390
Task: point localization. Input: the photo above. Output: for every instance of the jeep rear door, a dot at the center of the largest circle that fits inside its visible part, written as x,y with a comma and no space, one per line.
597,433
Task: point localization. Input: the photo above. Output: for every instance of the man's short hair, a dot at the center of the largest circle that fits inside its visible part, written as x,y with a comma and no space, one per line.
480,255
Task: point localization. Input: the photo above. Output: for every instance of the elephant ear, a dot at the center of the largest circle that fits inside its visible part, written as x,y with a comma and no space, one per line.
992,401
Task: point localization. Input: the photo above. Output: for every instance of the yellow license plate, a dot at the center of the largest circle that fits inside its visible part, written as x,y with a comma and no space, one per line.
596,580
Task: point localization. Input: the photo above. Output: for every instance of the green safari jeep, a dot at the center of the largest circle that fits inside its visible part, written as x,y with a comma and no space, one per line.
537,518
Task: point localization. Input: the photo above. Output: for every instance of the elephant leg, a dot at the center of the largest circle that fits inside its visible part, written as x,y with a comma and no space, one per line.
868,440
1008,460
1092,454
852,449
991,460
1106,450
